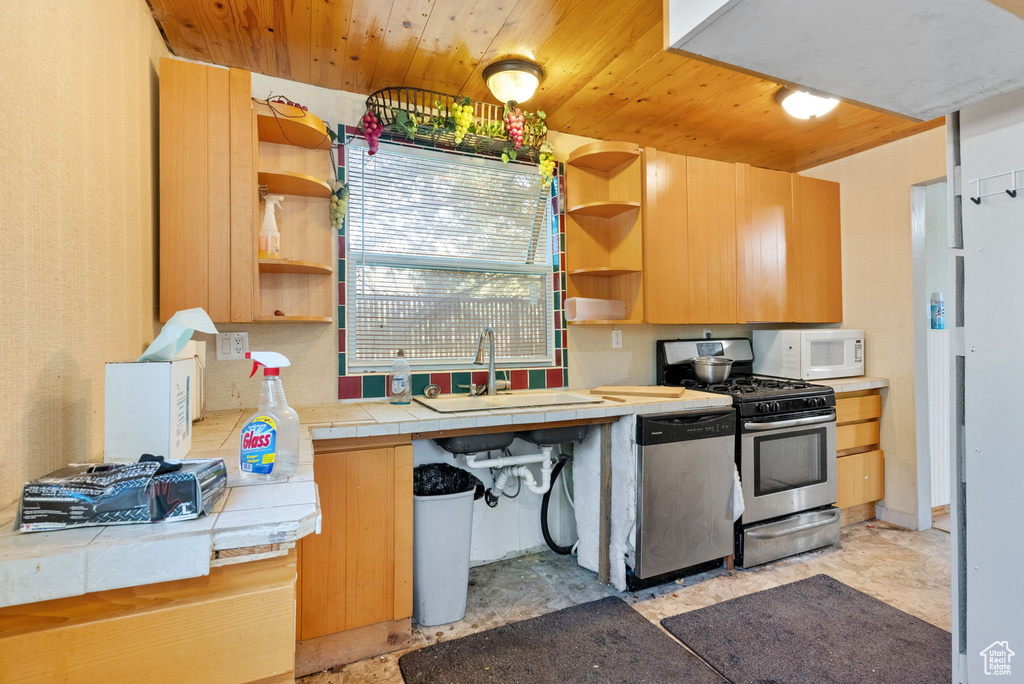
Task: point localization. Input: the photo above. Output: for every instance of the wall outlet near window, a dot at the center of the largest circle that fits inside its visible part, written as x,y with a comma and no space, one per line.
616,339
231,346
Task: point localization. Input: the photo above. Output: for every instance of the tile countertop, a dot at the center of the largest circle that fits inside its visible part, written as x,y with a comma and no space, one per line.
41,566
861,382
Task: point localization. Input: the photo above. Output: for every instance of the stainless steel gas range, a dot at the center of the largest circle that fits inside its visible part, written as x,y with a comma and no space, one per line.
785,449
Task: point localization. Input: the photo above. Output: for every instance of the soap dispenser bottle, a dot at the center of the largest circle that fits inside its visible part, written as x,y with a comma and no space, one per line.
270,438
400,391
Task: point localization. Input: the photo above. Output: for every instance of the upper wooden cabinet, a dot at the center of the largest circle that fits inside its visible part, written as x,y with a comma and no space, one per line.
690,239
732,243
816,280
208,192
216,148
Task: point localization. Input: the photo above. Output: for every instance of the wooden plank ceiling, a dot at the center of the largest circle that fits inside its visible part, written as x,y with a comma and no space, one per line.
606,75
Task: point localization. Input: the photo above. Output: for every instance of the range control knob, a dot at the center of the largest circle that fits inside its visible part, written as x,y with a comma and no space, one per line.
763,408
775,406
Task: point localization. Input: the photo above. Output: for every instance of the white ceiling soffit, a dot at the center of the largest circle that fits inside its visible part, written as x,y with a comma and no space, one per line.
916,58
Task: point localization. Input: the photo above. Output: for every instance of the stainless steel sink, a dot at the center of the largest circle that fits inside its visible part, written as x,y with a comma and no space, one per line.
461,403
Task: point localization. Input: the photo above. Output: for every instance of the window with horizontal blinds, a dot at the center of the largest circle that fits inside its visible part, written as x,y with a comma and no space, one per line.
439,247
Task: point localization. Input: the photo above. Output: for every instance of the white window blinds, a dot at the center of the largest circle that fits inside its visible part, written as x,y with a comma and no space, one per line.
439,247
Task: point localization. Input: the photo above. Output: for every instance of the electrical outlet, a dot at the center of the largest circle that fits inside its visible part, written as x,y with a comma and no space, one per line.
616,339
231,346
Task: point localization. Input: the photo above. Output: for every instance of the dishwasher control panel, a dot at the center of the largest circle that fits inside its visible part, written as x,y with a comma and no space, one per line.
665,428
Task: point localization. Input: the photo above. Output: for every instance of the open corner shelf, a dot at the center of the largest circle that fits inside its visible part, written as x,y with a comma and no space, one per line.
604,208
291,183
606,322
603,156
293,266
603,271
283,124
294,319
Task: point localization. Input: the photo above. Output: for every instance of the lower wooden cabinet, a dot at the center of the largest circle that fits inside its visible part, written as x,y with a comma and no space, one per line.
358,570
860,467
861,478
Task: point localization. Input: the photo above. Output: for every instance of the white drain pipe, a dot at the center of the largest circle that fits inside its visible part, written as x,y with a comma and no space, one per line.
510,467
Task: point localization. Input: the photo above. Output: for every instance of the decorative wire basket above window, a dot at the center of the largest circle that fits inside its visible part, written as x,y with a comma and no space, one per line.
415,113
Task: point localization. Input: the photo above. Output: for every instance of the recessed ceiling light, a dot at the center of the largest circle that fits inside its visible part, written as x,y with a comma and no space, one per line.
513,80
803,104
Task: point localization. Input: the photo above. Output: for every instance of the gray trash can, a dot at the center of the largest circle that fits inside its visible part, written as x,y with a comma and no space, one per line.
442,533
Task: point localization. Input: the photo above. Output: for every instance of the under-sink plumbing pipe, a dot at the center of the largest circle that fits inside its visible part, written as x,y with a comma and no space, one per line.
510,467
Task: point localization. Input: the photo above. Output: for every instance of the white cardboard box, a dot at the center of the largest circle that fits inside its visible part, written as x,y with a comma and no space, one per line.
148,410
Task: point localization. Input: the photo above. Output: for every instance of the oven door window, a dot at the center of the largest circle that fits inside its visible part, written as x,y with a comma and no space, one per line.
789,461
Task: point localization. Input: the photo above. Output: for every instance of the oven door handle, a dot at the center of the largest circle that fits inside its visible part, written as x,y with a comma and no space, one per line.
832,517
779,424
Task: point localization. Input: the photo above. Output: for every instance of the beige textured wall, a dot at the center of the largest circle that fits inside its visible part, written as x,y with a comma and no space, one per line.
877,284
77,210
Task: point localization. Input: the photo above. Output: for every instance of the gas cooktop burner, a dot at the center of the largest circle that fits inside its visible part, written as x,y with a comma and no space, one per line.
753,387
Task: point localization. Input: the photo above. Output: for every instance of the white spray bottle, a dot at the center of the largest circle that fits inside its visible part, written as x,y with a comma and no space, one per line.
270,236
270,438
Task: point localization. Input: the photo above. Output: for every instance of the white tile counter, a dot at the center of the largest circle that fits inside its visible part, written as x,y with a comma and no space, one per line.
41,566
861,382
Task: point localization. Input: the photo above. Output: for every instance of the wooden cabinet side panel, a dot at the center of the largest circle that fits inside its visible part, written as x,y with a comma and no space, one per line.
817,250
764,218
711,244
665,238
403,532
184,187
347,572
244,197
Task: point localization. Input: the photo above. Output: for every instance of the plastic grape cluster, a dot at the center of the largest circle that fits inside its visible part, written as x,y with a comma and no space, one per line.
372,130
339,204
514,121
463,115
546,168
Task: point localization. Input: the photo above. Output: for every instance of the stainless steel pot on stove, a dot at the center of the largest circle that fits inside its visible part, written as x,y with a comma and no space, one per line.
711,369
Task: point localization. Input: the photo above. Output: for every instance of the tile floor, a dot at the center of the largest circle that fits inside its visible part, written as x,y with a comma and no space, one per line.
909,570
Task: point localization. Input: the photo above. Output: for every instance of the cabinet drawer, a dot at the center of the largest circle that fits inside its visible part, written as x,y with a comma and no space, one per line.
858,408
856,435
861,478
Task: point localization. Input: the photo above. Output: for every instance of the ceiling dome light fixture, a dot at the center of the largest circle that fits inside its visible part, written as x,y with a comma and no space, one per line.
513,80
804,104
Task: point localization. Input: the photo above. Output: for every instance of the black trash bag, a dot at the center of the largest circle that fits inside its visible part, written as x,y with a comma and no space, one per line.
436,479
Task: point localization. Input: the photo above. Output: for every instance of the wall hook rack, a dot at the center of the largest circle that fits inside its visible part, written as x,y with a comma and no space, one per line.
1011,191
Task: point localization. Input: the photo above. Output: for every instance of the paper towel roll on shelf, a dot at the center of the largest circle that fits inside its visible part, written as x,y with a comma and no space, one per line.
586,309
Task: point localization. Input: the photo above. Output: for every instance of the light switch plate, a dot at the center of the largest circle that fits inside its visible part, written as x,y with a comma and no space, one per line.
232,346
616,339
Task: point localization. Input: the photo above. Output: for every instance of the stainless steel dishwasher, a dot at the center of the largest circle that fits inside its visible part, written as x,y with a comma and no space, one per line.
685,465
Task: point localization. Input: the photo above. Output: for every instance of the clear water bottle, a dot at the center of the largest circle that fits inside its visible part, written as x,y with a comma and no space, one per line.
400,388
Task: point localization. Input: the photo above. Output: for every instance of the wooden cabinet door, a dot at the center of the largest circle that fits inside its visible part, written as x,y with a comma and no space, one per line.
690,240
861,478
358,570
816,277
764,205
208,194
666,270
711,241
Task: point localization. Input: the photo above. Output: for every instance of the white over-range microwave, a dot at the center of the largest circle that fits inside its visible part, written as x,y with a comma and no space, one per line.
809,354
